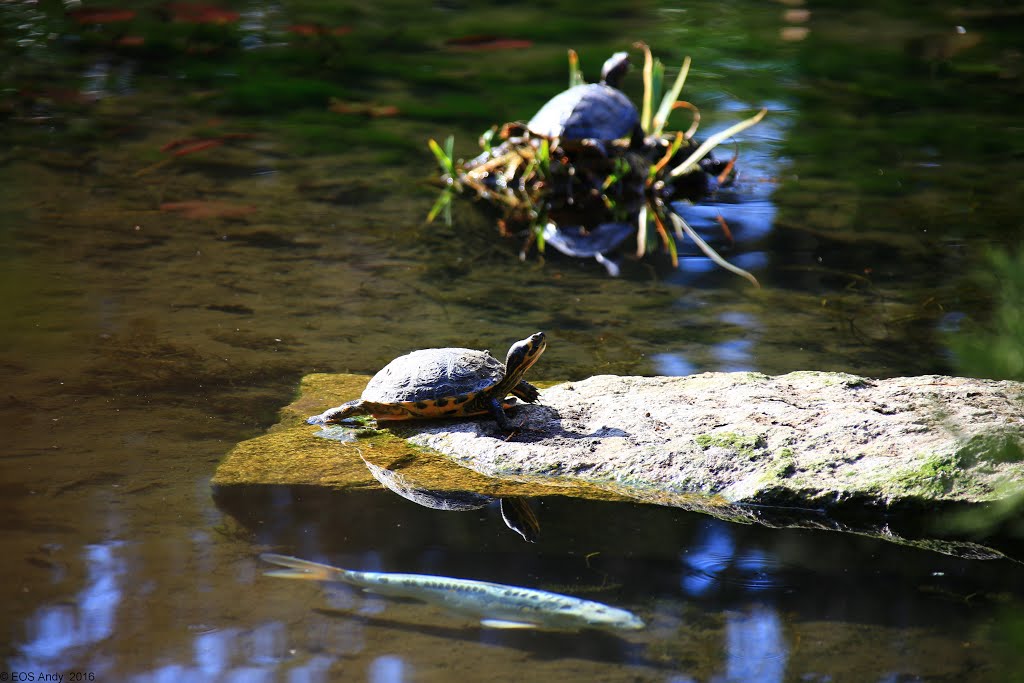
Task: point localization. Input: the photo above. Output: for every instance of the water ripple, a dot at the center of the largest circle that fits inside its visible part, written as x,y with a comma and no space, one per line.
715,562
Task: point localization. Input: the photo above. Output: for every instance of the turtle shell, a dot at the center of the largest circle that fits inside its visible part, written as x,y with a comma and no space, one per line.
433,374
593,110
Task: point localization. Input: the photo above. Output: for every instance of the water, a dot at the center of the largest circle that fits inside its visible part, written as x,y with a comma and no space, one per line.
159,311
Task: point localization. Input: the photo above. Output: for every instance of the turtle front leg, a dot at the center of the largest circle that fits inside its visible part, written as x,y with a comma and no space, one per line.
499,414
526,391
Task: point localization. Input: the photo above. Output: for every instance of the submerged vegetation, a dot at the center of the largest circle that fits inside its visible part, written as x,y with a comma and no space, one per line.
587,196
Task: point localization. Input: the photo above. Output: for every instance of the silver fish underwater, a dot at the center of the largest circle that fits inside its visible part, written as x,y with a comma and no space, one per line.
495,605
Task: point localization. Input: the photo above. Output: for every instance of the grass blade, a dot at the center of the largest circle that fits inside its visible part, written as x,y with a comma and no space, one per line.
487,137
680,224
668,102
657,85
575,75
544,159
538,232
641,232
443,203
669,243
449,149
712,142
656,169
443,160
645,111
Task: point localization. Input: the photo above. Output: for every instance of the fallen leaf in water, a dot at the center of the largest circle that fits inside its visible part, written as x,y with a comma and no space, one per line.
101,15
364,108
183,146
200,209
196,146
318,30
793,33
485,43
63,96
198,13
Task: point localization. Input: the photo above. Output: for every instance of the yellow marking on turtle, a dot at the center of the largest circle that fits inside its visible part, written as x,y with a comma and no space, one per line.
440,409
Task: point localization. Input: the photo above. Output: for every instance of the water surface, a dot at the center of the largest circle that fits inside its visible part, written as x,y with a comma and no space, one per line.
160,308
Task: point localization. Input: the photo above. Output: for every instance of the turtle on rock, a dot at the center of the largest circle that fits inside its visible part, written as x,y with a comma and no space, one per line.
443,383
592,112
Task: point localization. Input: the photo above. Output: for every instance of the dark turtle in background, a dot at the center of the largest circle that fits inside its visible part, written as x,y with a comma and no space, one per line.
595,112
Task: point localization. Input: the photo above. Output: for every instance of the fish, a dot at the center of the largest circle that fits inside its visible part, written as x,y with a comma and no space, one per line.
496,605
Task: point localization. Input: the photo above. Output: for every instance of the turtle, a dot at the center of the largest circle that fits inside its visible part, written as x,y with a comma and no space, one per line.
592,111
443,383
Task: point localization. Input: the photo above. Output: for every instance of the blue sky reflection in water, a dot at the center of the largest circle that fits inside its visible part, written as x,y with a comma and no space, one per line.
756,649
159,309
388,669
58,632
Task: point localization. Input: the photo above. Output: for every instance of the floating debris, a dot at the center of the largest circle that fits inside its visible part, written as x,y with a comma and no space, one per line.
486,43
589,162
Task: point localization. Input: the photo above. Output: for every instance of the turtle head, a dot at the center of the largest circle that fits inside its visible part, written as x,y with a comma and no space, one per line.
615,69
523,354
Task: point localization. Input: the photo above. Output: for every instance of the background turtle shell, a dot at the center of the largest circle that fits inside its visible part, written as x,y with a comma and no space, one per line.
431,374
593,110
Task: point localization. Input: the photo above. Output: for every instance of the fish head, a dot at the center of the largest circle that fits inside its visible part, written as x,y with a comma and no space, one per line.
610,618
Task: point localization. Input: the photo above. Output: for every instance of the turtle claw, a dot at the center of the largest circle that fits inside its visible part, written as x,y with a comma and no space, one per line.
526,392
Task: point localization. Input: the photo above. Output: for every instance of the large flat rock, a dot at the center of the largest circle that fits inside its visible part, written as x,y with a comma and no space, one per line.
808,449
803,440
806,439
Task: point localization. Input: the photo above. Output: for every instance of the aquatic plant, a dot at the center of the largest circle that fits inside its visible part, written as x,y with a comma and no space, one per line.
540,182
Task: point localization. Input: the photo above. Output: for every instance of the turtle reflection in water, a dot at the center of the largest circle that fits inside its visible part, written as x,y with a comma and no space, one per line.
515,511
578,242
443,383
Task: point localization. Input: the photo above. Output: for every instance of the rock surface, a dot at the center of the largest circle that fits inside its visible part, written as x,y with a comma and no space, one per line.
807,449
806,439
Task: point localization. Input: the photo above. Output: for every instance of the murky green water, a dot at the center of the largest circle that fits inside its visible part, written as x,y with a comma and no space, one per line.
159,309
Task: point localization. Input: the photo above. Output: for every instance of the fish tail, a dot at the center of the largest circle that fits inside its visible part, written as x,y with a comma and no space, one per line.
303,569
